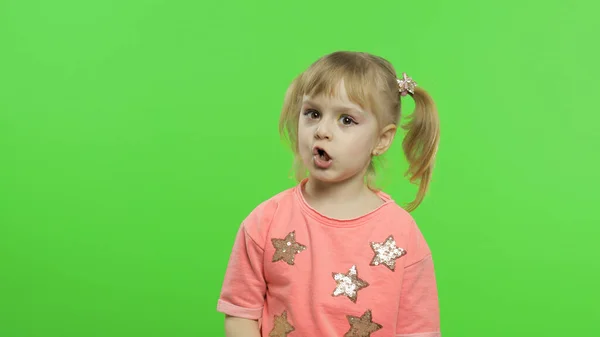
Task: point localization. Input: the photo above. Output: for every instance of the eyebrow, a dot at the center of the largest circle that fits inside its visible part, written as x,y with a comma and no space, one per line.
337,109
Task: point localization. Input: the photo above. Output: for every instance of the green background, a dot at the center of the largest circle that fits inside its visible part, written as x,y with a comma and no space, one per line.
136,135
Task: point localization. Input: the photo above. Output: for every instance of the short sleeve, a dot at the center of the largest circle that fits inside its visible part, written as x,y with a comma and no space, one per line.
244,286
419,314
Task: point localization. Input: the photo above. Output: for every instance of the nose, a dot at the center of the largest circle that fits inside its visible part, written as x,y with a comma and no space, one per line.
323,131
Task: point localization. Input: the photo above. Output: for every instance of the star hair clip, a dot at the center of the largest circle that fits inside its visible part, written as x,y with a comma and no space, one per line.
406,85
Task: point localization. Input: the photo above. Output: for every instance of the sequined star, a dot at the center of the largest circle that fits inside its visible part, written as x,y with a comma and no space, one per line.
287,248
281,326
406,85
362,326
348,284
386,253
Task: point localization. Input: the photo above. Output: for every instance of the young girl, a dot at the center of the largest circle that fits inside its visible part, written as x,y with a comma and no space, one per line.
334,256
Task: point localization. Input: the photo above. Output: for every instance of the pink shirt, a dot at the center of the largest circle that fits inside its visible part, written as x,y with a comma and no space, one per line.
300,273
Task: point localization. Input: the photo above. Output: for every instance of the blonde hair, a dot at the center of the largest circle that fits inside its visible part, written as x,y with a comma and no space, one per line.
370,82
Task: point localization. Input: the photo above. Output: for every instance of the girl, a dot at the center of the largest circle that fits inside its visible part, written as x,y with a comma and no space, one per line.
334,256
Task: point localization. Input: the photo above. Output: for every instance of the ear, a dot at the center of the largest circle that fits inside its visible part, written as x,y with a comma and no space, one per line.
386,136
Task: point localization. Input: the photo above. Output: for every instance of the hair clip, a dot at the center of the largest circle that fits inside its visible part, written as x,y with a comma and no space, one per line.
406,85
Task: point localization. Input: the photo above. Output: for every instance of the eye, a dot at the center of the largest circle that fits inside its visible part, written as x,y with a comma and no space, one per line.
347,120
312,114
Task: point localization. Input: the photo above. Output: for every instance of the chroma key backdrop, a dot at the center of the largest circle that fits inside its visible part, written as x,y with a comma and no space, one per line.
135,136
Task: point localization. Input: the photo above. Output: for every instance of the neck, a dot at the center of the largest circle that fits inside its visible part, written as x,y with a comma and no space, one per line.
338,192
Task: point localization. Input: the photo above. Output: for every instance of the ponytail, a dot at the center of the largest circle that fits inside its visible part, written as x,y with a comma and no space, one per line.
421,143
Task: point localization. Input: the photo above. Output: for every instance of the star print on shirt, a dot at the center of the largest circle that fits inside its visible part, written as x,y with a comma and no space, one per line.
287,248
362,326
281,326
348,284
386,253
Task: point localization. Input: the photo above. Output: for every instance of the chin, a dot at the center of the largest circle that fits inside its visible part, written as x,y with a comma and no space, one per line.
330,175
325,177
333,174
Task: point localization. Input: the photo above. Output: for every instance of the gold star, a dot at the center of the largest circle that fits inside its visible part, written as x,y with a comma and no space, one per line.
362,326
286,249
281,326
348,284
386,253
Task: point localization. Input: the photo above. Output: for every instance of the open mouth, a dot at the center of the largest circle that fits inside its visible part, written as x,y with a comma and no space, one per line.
322,154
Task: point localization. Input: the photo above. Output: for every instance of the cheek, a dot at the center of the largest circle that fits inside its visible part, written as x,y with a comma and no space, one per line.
302,135
362,147
362,150
304,139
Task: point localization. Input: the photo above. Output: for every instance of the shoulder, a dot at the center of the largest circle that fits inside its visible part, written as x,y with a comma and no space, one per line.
399,216
406,226
400,220
258,222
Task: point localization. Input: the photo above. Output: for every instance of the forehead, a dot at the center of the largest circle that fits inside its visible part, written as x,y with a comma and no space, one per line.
337,100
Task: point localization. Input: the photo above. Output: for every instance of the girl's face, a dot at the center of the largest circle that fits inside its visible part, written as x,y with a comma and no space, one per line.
336,137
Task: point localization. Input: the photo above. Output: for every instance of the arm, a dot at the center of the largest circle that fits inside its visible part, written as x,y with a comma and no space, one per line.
419,312
244,287
241,327
243,292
